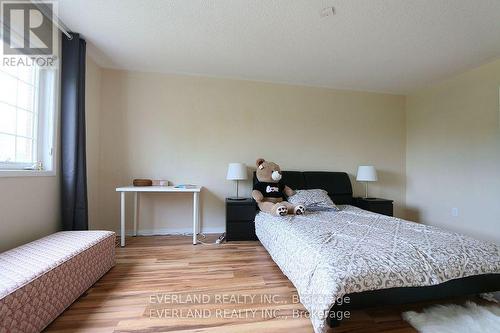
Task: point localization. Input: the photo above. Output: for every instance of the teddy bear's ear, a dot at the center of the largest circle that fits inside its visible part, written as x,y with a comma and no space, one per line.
259,161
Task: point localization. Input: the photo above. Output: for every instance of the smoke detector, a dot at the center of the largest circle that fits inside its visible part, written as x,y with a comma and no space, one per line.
325,12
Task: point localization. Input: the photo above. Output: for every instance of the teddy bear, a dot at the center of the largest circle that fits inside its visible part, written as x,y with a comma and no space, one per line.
269,192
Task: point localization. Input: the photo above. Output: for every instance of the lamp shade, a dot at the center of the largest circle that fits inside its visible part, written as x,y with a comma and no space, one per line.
237,171
366,173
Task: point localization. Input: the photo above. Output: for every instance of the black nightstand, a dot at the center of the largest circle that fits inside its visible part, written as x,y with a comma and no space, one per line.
376,205
240,217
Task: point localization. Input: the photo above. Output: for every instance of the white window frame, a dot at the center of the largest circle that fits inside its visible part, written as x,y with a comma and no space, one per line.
46,129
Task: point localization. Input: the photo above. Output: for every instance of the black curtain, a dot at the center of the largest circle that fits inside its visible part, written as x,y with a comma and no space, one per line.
73,160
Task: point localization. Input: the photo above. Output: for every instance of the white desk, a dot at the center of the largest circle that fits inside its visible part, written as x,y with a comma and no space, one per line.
157,189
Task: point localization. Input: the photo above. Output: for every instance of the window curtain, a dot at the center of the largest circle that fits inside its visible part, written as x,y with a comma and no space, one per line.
74,204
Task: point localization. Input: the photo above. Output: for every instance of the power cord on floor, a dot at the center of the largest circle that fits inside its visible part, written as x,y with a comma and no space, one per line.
201,237
218,241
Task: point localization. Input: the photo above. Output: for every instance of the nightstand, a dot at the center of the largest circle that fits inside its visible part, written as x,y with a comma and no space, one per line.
376,205
240,217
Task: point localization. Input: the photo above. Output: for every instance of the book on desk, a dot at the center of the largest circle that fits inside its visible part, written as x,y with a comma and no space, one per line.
186,186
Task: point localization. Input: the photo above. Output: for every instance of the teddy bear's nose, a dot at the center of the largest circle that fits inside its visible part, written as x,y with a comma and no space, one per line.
276,175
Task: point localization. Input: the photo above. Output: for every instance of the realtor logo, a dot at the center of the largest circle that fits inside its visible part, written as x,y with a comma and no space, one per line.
27,28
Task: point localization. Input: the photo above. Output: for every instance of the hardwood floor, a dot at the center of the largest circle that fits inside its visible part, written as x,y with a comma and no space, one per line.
165,284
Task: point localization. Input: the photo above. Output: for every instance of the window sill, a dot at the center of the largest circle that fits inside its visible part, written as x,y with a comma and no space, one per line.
26,173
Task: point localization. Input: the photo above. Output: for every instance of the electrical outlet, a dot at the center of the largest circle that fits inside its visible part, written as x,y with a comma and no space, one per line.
454,212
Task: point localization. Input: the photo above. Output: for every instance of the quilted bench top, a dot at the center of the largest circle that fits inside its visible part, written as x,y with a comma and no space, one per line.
27,262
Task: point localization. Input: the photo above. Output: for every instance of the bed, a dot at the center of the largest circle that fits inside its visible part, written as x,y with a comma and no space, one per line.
350,259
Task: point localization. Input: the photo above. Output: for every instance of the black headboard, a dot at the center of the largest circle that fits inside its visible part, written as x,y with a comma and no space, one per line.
337,184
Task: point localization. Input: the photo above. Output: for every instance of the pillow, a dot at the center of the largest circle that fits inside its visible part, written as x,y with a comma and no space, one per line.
313,200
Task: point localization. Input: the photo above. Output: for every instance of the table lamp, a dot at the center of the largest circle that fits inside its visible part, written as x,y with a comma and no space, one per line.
366,173
237,171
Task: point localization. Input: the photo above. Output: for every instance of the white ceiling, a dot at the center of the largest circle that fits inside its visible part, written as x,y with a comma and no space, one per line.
373,45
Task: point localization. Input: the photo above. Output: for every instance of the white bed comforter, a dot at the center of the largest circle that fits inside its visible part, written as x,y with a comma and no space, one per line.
329,254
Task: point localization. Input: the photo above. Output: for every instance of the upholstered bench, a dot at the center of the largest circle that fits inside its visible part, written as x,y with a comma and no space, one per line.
39,280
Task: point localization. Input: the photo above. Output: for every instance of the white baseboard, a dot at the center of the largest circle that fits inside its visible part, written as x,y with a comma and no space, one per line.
170,231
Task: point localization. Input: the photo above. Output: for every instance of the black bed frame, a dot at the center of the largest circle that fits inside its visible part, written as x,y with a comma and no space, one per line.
338,186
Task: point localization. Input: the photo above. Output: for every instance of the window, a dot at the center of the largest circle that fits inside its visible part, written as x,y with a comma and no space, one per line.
27,104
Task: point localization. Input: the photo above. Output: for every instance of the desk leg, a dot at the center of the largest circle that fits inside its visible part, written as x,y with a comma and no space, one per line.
122,220
136,212
196,212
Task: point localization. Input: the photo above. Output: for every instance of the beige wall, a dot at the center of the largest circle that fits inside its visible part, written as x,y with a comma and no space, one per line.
29,209
187,129
453,153
93,114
